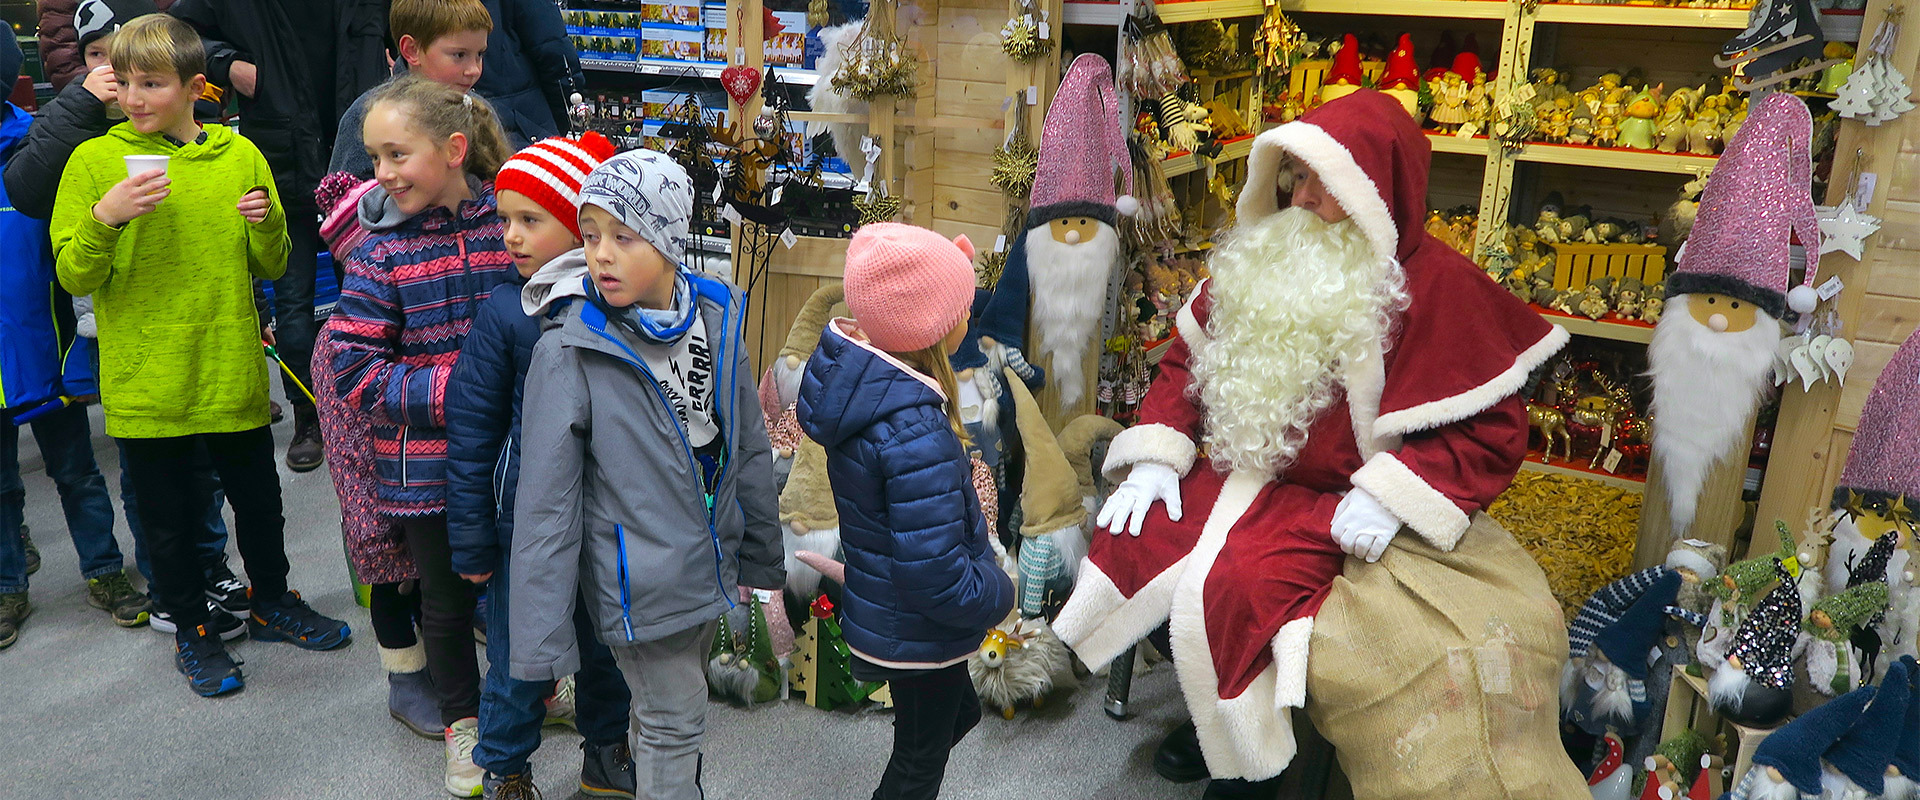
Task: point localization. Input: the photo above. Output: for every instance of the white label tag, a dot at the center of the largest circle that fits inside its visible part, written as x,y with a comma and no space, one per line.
1612,463
739,55
1524,93
1863,193
1000,243
1046,31
1033,95
778,192
1831,288
787,238
718,187
1467,130
730,214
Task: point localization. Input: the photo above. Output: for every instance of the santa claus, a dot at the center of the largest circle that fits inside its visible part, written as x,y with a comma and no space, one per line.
1342,393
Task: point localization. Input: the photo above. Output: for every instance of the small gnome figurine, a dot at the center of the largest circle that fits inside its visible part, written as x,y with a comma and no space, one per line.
1345,77
1736,592
1832,625
780,385
1053,529
1712,354
1608,691
1699,564
1753,687
1795,761
1402,79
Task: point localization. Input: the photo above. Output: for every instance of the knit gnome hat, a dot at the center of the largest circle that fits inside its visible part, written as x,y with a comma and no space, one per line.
1755,202
1465,65
1865,751
1764,643
549,172
1906,755
1079,438
1082,150
1883,466
1049,491
808,497
804,335
907,286
1608,604
1403,72
648,192
1795,748
1628,639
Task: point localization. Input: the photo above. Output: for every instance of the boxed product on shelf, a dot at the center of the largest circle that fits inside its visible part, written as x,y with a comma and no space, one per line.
789,47
652,138
673,42
655,103
716,44
673,12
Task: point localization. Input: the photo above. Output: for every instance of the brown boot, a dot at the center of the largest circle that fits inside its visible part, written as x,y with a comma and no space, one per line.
304,453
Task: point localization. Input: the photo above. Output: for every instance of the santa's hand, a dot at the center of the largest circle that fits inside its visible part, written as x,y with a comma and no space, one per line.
1128,506
1362,527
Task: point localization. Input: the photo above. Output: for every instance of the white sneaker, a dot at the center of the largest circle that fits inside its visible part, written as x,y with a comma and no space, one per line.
560,707
463,777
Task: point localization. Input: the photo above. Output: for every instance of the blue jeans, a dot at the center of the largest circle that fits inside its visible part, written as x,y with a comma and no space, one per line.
512,711
66,444
211,541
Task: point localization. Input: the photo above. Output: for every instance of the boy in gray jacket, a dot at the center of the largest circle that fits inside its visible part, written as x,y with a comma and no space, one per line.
646,479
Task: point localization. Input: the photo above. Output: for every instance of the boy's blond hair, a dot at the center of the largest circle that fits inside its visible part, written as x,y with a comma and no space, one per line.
427,20
158,43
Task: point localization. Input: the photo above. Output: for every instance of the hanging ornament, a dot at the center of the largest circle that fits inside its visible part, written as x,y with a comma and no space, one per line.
1016,159
1844,229
1279,39
741,82
1026,37
876,207
1150,67
877,62
1877,91
819,14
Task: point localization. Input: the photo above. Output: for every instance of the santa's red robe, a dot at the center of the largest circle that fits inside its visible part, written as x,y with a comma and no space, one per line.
1434,430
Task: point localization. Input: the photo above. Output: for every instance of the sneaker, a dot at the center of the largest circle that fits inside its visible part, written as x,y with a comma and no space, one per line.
33,553
511,787
226,590
560,707
305,452
220,623
114,593
290,619
606,771
201,657
14,609
463,776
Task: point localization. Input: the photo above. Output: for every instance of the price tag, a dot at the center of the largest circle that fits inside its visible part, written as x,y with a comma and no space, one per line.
1467,130
1033,95
1046,31
1863,193
1524,93
787,238
1831,288
739,55
1612,464
718,187
730,214
1000,244
778,192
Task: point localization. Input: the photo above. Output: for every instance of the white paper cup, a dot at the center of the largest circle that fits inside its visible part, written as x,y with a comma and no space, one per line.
145,163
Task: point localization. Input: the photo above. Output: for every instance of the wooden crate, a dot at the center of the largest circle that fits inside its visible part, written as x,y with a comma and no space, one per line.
1576,265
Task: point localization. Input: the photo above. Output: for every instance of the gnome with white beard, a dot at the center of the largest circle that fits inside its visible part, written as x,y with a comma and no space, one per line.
1058,270
1713,352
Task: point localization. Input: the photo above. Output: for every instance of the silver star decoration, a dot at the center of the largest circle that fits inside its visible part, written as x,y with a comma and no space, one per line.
1845,229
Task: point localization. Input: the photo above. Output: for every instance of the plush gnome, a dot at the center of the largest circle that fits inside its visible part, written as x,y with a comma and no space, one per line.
1053,529
1713,351
1608,658
808,519
1059,269
1788,763
1753,685
1085,440
1903,774
780,384
1877,498
1402,80
1345,77
1699,564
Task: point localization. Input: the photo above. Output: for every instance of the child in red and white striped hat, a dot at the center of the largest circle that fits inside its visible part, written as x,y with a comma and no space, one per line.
539,194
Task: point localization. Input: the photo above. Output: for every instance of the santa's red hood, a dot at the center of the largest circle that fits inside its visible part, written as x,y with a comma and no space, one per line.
1372,158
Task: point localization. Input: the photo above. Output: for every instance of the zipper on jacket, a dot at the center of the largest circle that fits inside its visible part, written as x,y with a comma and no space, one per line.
500,467
626,599
403,455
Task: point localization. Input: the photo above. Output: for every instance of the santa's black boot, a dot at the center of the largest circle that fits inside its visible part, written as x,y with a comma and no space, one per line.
1178,758
1227,789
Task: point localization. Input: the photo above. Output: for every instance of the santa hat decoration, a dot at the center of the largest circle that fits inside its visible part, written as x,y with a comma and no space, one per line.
1403,72
1082,149
1754,686
1755,202
1466,65
1346,63
1794,751
1865,752
1883,467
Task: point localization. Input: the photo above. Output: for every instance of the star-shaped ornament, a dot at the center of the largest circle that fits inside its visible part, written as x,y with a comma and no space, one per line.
1856,505
1845,229
1899,513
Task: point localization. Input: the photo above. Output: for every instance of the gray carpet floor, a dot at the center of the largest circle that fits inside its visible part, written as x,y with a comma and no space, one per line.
90,710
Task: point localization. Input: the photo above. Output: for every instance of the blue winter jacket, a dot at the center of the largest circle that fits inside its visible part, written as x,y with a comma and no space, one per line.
483,429
922,583
32,342
530,61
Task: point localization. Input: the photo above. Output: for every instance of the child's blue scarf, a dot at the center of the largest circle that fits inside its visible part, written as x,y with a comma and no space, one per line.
654,326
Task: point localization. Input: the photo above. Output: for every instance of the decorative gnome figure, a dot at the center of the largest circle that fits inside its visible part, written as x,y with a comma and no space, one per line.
1085,440
1739,588
780,384
1712,353
1402,80
1699,564
1053,529
1604,686
1753,686
1060,267
1844,749
1344,78
1833,626
808,518
1876,500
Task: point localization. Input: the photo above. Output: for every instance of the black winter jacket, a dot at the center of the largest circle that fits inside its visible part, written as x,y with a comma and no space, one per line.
529,62
33,173
282,118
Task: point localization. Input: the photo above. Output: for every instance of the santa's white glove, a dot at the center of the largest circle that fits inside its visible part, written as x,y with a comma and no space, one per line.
1128,506
1362,527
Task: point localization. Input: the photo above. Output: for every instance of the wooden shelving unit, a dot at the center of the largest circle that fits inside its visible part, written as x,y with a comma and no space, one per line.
1576,155
1182,163
1636,332
1621,482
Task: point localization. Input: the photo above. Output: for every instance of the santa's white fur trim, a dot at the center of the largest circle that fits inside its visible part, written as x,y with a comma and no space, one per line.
405,659
1189,325
1688,559
1419,505
1099,622
1290,654
1161,444
1357,194
1365,380
1446,411
1242,737
803,582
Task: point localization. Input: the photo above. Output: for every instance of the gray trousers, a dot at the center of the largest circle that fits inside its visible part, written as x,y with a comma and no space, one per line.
668,678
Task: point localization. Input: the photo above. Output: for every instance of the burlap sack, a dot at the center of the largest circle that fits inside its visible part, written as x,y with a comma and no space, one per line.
1436,674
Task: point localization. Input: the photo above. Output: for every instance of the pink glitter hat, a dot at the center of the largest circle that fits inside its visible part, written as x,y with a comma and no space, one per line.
1082,148
1884,463
1758,198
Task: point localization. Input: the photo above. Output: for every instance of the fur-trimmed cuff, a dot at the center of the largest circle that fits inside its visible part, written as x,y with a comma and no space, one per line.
1099,622
404,660
1161,444
1290,657
1422,507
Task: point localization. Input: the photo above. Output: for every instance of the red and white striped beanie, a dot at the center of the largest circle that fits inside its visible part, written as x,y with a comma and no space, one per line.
550,172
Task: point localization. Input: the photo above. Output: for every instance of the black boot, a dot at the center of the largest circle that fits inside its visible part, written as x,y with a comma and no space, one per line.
1178,758
304,453
1225,789
606,771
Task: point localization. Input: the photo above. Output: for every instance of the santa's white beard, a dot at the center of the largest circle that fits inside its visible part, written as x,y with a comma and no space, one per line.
1706,385
1296,301
1069,288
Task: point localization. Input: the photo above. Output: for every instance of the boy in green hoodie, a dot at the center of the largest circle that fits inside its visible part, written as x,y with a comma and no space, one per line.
169,254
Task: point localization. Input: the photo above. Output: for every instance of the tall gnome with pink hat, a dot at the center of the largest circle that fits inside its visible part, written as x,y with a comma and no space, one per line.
1058,271
1712,354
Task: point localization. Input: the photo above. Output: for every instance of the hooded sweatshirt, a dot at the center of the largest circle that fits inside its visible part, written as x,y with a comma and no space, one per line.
173,290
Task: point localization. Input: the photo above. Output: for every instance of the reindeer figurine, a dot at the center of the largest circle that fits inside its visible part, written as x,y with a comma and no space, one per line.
1552,423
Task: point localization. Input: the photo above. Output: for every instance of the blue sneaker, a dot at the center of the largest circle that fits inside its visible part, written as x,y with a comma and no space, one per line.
210,670
289,619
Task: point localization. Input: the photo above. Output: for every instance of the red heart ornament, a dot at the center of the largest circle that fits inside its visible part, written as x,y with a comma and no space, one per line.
741,82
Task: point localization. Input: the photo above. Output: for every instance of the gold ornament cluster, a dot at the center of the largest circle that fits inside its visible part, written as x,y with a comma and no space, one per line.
877,62
1021,39
1014,164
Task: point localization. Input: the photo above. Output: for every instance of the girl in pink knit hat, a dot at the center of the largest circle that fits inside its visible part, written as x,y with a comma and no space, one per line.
922,585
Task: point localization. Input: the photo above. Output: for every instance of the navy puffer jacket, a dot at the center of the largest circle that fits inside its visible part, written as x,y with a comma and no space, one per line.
922,584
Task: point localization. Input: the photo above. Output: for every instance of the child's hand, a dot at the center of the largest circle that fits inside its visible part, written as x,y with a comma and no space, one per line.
254,206
101,84
133,198
481,578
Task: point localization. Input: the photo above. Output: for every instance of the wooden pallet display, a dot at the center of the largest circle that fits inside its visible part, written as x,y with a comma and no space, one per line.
1576,265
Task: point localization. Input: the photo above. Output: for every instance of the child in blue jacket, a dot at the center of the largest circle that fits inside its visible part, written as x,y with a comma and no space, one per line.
922,584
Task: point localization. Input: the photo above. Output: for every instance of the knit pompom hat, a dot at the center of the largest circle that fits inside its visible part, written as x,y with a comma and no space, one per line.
907,286
549,172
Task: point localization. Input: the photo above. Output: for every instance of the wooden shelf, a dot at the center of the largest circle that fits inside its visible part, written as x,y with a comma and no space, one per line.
1636,332
1183,163
1448,143
1092,13
1445,9
1616,158
689,69
1643,16
1579,470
